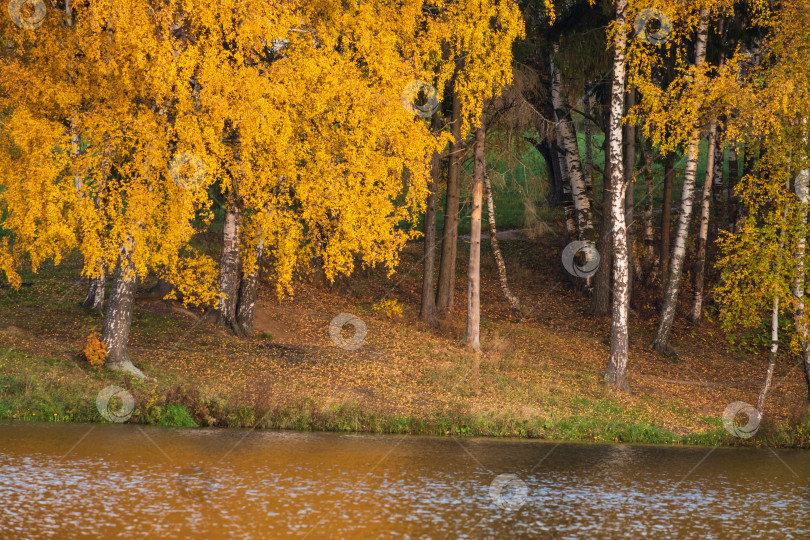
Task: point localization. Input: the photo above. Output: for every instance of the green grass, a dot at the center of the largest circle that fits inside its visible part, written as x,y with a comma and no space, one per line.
53,390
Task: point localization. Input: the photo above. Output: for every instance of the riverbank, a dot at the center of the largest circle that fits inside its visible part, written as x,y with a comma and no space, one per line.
539,375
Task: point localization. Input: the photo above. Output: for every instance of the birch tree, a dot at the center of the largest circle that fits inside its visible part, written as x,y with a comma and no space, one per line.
513,300
703,232
661,340
474,269
567,138
480,37
773,101
616,374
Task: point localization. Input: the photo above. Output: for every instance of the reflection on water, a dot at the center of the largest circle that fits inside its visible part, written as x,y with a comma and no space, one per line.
142,482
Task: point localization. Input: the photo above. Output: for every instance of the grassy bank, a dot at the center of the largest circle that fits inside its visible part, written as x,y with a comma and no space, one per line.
539,375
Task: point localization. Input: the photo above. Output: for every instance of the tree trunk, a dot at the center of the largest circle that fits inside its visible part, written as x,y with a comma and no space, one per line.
95,293
799,316
513,300
587,170
249,293
567,138
666,213
567,196
649,229
447,264
705,206
554,196
559,174
661,340
629,197
229,268
600,302
766,386
118,318
474,271
427,311
616,373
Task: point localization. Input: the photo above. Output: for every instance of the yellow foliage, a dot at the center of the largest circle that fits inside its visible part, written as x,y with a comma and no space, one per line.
116,126
95,351
390,307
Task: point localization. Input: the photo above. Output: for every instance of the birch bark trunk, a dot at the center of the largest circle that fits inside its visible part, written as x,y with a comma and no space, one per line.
629,196
799,315
666,214
513,300
474,270
229,268
249,293
118,317
568,142
567,198
766,385
95,293
661,340
616,373
703,233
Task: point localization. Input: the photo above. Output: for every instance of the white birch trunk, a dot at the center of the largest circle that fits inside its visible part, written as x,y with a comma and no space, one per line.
568,200
661,340
474,270
95,293
766,386
703,233
249,293
799,316
496,250
229,268
118,317
616,374
568,144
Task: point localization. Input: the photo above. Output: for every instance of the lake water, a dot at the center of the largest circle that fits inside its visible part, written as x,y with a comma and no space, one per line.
110,481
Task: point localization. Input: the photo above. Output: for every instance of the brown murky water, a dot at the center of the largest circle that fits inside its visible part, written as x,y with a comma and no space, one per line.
109,481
